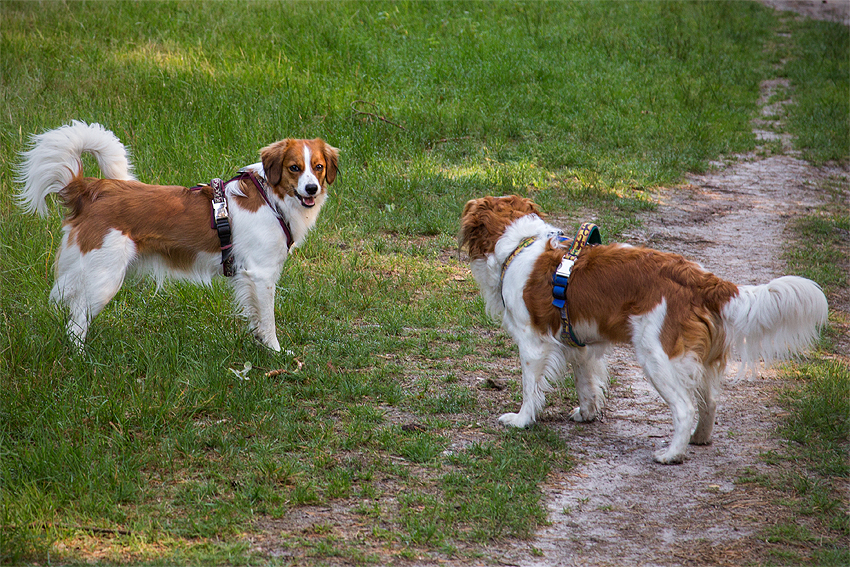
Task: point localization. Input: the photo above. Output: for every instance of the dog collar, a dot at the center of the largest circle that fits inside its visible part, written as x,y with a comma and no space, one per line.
588,233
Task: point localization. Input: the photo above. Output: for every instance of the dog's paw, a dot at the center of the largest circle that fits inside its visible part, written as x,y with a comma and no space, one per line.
669,458
514,420
699,440
577,416
270,343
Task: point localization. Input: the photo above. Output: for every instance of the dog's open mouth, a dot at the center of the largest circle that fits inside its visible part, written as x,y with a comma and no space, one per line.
307,201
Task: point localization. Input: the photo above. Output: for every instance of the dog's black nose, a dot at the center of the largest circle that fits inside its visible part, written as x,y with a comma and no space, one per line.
312,189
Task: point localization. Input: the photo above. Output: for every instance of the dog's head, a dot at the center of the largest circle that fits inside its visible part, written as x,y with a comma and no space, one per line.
301,168
484,220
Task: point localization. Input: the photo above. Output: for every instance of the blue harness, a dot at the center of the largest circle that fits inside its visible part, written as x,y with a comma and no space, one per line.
588,234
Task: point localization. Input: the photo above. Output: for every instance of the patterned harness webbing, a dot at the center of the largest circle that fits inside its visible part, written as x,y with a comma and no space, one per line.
523,244
588,233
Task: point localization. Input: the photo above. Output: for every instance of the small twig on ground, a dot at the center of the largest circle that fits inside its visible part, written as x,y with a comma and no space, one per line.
444,140
279,371
372,114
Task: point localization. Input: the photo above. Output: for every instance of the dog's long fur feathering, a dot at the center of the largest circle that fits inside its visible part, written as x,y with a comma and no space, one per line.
682,321
115,225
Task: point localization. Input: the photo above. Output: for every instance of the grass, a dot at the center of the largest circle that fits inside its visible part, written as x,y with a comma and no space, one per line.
156,444
819,118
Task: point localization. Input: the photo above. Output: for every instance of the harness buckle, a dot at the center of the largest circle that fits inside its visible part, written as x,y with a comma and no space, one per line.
566,267
220,210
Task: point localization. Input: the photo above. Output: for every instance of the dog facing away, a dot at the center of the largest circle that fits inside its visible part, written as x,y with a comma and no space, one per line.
682,321
117,226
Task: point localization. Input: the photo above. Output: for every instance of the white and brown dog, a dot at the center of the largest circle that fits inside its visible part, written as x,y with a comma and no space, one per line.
682,321
117,225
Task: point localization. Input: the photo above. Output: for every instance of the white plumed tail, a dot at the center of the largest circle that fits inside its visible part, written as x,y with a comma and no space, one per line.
775,320
54,160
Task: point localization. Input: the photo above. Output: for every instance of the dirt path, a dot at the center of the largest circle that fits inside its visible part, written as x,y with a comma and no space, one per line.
619,508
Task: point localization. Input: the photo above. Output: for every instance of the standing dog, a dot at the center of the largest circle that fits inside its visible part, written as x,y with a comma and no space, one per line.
681,320
117,225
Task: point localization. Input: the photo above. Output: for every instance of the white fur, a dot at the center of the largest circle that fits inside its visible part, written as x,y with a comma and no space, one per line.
54,159
85,283
773,320
767,321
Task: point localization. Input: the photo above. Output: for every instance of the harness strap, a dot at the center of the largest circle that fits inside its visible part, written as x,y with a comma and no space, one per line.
261,186
523,244
221,220
588,233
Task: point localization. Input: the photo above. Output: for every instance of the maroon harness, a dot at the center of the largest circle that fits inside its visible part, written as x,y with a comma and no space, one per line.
220,218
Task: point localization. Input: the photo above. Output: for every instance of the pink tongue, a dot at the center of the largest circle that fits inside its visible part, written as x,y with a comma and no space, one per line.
308,201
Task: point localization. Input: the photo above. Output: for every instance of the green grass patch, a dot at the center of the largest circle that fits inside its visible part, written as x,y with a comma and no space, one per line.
819,70
822,249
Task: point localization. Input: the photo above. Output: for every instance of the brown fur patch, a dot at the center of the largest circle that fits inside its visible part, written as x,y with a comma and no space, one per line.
253,200
609,284
168,220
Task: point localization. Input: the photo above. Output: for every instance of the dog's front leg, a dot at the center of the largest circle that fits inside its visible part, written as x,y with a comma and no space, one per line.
591,378
533,358
266,330
255,295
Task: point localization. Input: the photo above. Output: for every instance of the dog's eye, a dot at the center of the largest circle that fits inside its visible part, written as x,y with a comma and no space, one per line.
319,167
294,168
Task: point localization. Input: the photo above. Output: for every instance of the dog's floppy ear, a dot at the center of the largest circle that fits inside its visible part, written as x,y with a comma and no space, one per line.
470,223
332,159
272,157
469,208
484,220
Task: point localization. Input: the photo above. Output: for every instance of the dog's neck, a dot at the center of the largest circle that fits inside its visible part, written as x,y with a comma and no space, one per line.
487,271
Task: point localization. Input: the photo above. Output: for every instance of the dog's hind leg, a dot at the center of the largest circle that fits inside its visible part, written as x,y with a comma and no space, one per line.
673,379
86,282
706,404
672,383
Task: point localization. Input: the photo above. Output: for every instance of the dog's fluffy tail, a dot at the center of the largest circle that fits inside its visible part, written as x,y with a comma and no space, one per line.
775,320
53,161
